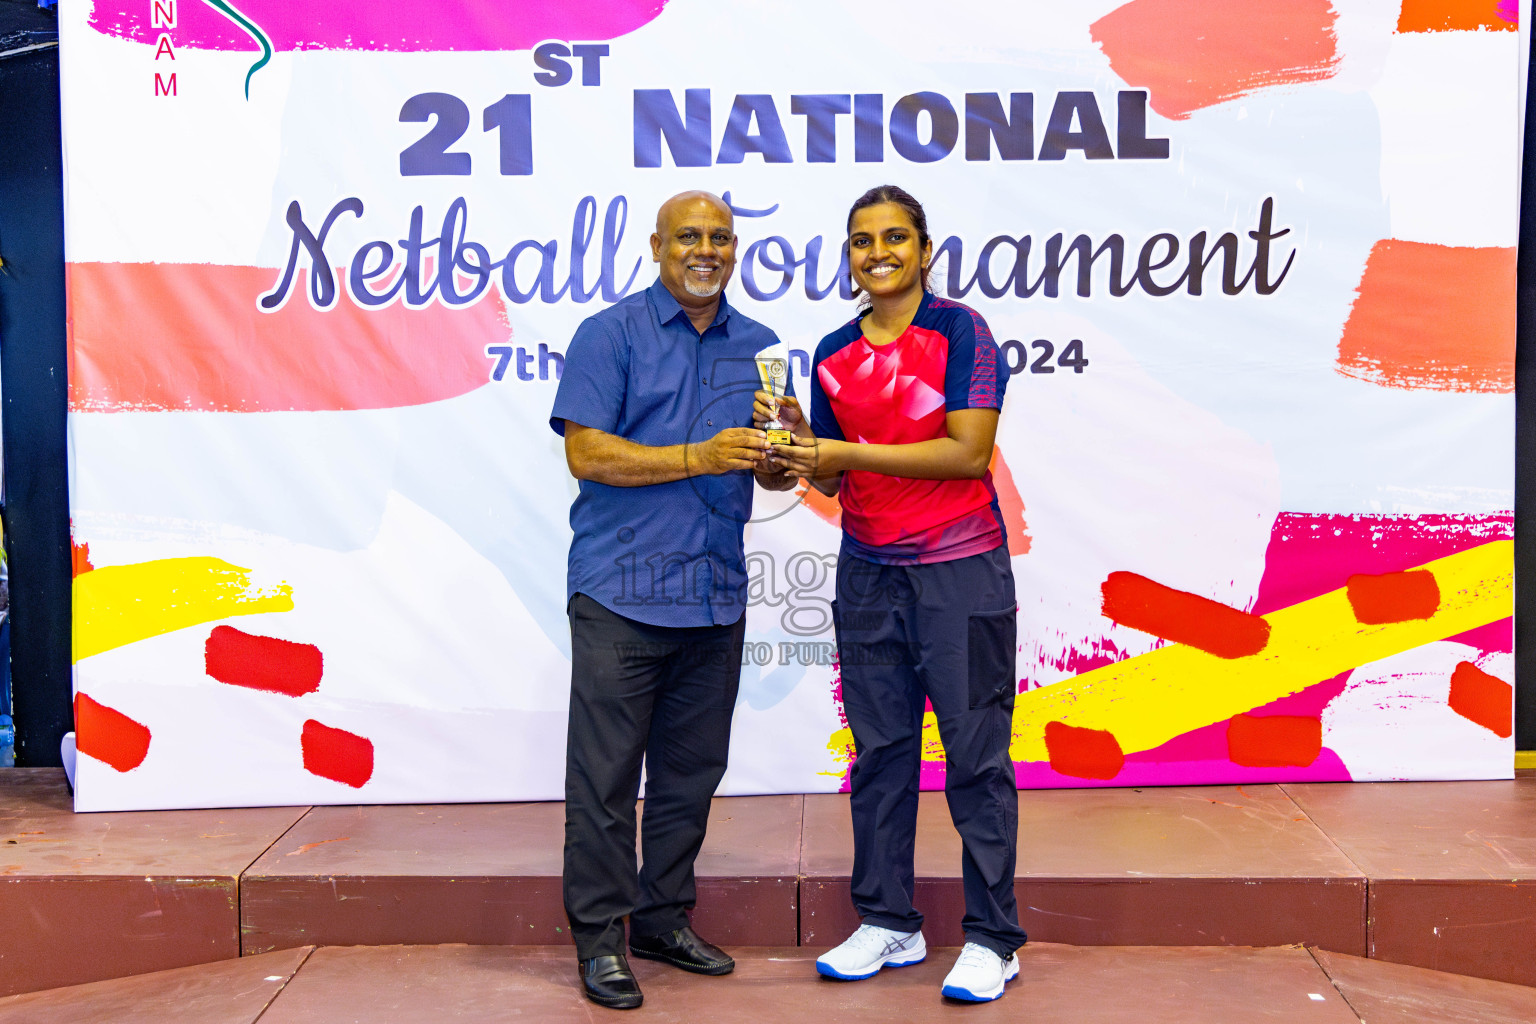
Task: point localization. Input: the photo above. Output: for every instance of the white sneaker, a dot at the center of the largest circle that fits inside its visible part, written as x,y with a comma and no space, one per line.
980,974
870,948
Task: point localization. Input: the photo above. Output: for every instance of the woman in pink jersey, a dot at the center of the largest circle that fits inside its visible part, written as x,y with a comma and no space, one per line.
904,408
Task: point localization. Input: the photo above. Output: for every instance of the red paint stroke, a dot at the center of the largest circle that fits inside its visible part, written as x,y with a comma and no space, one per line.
1010,504
1482,698
1457,15
1192,54
161,336
369,25
1274,741
1433,317
262,662
1083,753
1393,596
337,755
1185,618
108,735
79,557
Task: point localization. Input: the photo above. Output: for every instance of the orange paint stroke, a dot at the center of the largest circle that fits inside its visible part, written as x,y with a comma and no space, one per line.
1433,317
825,507
1452,16
1393,596
162,336
1274,741
1192,54
1010,503
108,735
79,557
1185,618
1482,698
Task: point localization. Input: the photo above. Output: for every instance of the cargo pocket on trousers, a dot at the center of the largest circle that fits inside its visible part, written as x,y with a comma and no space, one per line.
837,632
992,643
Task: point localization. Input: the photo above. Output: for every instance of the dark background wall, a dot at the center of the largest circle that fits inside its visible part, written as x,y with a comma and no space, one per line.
33,380
33,395
1525,443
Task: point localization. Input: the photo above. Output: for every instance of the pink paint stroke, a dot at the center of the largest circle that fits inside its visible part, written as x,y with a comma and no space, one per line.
1327,768
1312,554
472,25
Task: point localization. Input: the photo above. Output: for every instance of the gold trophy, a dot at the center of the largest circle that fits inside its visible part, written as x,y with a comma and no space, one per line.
773,371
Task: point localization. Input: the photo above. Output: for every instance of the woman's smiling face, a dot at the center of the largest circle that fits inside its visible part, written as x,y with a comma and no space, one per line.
884,254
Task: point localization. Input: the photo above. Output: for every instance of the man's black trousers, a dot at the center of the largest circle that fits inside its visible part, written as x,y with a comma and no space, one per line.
664,696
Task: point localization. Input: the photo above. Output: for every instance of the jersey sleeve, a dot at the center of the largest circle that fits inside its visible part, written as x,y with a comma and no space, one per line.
592,384
823,421
973,377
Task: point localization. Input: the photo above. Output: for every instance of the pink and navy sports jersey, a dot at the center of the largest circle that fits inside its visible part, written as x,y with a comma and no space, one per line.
898,394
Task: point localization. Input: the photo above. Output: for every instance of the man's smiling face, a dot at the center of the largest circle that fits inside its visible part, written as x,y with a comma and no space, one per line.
696,246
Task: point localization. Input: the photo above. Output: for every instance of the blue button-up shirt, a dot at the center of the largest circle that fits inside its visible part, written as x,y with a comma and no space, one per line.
665,554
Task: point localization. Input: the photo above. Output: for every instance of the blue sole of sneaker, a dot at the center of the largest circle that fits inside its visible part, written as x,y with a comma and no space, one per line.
827,972
966,995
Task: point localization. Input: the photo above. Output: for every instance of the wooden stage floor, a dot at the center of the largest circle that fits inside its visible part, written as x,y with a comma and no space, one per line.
1432,875
1056,985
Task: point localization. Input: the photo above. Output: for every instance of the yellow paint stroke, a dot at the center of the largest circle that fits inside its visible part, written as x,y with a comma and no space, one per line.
840,746
123,604
1150,699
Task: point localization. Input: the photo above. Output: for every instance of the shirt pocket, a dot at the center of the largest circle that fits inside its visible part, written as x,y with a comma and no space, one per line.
661,401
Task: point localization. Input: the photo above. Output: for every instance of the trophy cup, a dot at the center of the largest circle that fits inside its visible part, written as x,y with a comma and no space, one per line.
773,371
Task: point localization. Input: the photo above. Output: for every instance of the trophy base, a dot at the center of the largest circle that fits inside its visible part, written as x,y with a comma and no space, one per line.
778,436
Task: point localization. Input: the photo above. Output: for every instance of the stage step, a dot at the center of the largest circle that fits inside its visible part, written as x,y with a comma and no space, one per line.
89,896
1437,875
229,992
1228,865
1057,984
489,874
1452,869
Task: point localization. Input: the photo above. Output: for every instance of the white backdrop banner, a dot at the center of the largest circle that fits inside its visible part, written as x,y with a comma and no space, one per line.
1252,268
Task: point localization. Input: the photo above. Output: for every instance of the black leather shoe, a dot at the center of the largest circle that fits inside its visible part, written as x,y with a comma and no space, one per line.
608,981
683,948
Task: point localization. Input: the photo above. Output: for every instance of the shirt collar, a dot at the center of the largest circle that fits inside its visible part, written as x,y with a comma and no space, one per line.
669,309
922,307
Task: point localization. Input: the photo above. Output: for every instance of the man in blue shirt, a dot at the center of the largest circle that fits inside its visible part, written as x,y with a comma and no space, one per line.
655,404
